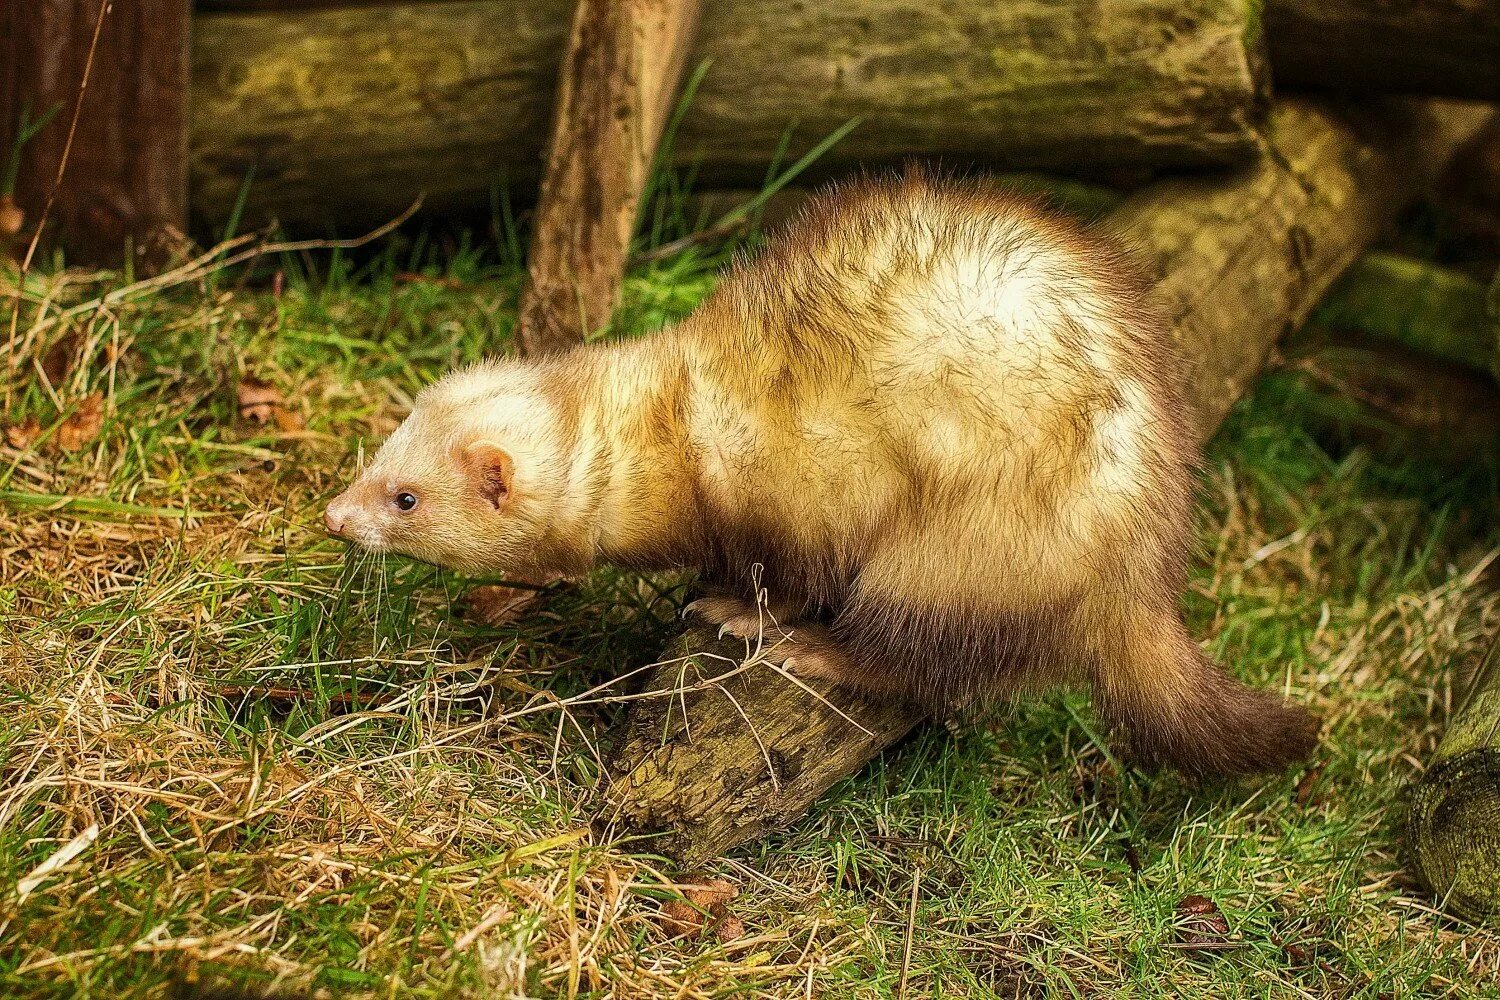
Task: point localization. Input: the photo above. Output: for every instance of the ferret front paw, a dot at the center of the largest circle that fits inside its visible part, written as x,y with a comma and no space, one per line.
736,616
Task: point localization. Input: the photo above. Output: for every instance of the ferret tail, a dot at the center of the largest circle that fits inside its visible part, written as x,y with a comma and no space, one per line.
1176,708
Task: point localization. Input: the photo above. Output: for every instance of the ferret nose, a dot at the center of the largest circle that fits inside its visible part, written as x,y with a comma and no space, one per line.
333,521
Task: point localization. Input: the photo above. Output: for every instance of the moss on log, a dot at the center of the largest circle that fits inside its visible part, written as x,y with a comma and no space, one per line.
347,114
1453,827
1244,258
1415,304
1238,259
1445,48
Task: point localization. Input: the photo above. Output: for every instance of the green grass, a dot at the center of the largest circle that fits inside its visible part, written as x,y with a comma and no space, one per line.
311,772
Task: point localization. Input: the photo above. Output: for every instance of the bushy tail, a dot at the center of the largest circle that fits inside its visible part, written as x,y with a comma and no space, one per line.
1177,709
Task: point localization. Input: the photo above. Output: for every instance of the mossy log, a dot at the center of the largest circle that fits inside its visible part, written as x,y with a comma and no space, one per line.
1238,259
1447,48
1242,259
1425,307
346,114
1453,827
1394,400
1494,311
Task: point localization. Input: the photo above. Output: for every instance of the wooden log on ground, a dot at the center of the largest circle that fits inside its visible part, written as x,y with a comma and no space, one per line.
346,114
1494,310
1424,307
1453,826
614,94
1395,401
1471,192
1440,47
1238,259
126,176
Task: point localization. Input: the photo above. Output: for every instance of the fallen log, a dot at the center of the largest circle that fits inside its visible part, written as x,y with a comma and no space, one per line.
346,114
1441,47
1453,826
614,95
1430,309
1494,309
1394,400
1238,259
1470,195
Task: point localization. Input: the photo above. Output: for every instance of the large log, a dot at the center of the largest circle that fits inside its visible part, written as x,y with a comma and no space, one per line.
618,79
1238,259
348,113
1453,827
1439,47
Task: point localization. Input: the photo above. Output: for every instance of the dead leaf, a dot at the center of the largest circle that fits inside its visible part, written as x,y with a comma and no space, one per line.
1201,924
262,403
729,929
57,362
681,917
11,216
258,400
20,436
288,421
703,907
1308,784
496,604
84,424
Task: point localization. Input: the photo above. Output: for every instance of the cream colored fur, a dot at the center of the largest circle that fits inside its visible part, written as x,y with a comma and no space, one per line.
925,411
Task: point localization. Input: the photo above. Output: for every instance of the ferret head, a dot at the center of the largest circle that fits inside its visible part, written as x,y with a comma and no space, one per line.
467,480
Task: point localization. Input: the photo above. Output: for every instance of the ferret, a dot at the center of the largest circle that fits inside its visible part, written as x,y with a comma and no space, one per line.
932,437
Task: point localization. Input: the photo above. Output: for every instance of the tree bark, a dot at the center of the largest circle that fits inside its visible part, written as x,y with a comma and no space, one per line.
1453,828
1243,259
1449,48
1237,259
126,176
614,95
346,114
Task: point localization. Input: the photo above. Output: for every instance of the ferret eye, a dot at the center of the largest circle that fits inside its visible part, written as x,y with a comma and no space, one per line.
405,501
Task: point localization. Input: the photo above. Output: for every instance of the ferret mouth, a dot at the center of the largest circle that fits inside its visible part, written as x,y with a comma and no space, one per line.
358,547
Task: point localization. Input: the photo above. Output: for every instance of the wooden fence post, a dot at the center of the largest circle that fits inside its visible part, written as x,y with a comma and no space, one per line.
126,174
614,94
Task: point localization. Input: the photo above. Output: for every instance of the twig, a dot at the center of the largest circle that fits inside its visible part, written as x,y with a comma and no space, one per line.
911,925
723,229
213,260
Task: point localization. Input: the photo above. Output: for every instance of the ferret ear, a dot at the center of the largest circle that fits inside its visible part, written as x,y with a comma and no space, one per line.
491,469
